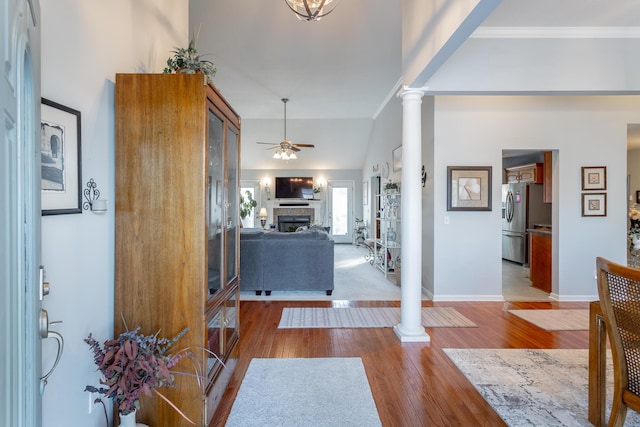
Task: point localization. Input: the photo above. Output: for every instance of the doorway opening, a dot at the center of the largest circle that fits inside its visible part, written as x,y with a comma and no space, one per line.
526,225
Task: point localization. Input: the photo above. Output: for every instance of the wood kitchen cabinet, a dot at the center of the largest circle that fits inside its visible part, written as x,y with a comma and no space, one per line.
532,172
177,231
540,258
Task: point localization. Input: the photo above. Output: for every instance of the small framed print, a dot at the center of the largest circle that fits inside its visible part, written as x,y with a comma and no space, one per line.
594,204
60,159
637,196
594,178
468,188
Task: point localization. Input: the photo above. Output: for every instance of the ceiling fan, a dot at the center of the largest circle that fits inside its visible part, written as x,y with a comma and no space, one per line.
286,149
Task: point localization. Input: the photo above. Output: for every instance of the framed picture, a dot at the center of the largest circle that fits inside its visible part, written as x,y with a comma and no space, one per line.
61,160
397,159
594,178
637,196
468,188
365,193
594,204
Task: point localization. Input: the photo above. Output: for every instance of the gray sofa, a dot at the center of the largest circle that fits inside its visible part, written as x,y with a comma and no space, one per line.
274,261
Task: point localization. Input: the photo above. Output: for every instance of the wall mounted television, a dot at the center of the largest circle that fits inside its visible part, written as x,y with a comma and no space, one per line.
294,188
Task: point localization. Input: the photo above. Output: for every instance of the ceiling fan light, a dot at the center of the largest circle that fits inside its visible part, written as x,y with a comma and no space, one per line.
293,156
276,155
284,156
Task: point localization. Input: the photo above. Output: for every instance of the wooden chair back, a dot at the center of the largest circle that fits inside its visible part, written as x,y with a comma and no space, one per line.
619,292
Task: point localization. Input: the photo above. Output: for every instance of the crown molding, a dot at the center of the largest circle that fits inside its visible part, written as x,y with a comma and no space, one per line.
556,33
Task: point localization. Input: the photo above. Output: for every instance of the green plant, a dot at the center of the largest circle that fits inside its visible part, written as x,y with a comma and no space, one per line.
390,185
188,61
133,364
247,205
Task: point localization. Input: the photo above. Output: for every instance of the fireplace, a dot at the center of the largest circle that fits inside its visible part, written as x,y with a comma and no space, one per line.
288,223
289,217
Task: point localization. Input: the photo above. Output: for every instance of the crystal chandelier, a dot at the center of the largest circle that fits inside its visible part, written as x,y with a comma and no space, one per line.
311,10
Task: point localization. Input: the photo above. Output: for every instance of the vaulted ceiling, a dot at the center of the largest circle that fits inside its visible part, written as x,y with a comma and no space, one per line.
339,72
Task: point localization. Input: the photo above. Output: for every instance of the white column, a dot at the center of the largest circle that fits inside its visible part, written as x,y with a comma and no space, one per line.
410,328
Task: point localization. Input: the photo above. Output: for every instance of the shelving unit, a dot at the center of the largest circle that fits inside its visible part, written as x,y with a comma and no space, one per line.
387,247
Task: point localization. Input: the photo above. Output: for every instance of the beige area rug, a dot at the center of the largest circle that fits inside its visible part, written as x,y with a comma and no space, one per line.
367,317
556,320
314,392
534,387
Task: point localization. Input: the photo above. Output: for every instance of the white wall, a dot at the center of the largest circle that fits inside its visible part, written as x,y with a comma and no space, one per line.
83,45
428,218
586,131
386,135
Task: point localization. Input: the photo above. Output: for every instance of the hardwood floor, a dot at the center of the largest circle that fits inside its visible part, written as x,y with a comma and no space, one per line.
413,384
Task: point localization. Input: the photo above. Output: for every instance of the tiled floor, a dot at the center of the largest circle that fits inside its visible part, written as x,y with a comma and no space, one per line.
516,285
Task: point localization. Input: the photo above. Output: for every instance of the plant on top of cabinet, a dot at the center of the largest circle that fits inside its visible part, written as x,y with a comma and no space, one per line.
189,62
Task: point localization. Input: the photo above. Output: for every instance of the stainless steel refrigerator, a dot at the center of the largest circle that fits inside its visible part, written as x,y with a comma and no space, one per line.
522,208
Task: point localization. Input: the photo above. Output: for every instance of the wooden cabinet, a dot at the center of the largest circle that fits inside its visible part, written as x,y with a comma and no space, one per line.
548,177
176,230
540,259
532,172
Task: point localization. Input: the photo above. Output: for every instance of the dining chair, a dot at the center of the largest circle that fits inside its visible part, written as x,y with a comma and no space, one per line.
619,292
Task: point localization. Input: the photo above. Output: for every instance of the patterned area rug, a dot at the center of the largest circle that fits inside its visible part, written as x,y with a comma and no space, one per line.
556,320
367,317
304,392
533,387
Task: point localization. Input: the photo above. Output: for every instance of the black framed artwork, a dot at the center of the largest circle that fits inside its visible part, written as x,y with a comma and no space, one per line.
61,171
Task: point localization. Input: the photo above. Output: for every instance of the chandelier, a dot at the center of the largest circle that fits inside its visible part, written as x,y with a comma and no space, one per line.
311,10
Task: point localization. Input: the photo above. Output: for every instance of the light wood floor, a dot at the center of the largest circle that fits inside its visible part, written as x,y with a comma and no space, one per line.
412,384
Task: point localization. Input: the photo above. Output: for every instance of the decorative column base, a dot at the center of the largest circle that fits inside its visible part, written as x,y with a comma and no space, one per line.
411,336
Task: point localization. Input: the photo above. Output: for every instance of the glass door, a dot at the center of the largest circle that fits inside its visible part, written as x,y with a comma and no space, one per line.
340,206
233,205
215,202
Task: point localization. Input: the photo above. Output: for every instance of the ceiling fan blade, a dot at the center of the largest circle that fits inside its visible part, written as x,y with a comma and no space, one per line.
267,143
304,145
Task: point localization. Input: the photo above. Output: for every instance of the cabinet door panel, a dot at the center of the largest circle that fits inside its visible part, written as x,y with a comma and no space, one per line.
215,202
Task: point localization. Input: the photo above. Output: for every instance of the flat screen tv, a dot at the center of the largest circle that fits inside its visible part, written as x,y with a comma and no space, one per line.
294,188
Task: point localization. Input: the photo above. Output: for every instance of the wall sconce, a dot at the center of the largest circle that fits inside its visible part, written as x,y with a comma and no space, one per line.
263,216
267,190
92,194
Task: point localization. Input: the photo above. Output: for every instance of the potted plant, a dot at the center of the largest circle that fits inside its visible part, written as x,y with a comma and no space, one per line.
187,60
247,204
133,364
391,187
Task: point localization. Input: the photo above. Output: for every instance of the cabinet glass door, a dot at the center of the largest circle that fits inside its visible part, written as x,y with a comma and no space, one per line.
230,330
234,205
215,203
214,344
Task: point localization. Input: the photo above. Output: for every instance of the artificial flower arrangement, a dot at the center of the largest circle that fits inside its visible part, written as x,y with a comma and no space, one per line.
133,364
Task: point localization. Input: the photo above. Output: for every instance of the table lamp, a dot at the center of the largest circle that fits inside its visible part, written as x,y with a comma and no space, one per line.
263,216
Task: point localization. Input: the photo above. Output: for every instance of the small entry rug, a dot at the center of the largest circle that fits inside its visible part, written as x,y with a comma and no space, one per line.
367,317
556,320
304,392
534,387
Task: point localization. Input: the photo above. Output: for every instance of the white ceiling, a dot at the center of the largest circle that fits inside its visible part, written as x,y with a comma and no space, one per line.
340,71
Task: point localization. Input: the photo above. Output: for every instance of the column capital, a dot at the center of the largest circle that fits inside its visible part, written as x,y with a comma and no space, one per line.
413,91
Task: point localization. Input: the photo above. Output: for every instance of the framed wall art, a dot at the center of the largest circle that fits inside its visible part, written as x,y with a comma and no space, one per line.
594,204
468,188
594,178
60,165
397,158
